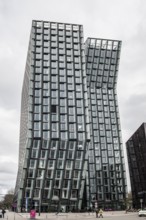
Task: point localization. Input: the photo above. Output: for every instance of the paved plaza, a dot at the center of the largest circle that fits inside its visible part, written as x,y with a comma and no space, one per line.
116,215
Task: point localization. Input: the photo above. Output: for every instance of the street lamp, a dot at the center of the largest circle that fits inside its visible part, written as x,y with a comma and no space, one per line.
141,200
40,201
26,202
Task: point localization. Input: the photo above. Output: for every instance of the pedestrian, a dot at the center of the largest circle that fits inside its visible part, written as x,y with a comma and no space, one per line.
97,211
3,212
100,213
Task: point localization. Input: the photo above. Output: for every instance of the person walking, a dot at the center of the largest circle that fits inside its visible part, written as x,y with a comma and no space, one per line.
3,213
97,211
100,213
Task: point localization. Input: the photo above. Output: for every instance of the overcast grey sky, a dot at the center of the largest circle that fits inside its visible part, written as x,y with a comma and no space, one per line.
115,19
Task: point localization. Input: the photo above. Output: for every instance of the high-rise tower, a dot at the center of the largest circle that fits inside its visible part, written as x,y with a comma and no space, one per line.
64,98
54,120
106,166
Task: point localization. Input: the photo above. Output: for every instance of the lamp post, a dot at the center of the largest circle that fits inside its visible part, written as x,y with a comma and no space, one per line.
26,202
141,200
40,202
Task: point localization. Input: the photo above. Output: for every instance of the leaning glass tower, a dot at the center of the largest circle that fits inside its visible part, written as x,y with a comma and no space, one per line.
54,132
70,153
107,186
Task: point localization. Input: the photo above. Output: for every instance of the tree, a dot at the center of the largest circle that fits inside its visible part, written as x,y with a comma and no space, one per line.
8,199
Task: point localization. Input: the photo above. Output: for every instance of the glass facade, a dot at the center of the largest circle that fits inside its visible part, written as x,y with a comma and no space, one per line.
106,170
70,145
136,152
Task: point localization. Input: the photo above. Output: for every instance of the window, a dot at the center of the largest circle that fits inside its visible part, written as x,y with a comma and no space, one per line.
30,173
64,194
76,174
71,102
34,153
38,183
71,86
61,32
71,111
37,117
49,174
62,94
52,154
58,174
62,78
57,183
63,110
60,164
61,51
62,87
80,119
71,95
54,126
72,127
70,79
29,183
68,164
47,183
79,155
50,164
45,117
46,109
67,174
75,184
79,103
71,145
79,95
61,45
61,38
72,118
63,118
53,37
77,164
45,101
79,111
54,118
36,192
70,154
40,173
56,193
53,44
54,50
68,52
66,183
32,164
62,145
42,164
36,144
37,109
74,194
43,154
61,154
53,108
46,127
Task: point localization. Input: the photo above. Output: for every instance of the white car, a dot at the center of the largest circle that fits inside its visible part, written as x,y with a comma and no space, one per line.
142,213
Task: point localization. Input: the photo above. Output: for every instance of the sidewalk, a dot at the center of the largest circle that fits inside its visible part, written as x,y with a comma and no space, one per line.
64,216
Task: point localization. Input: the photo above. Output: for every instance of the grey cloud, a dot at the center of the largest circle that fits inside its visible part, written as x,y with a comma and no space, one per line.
134,114
8,168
